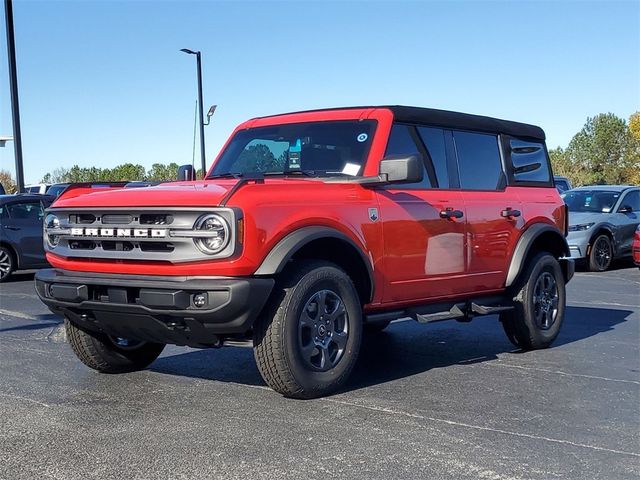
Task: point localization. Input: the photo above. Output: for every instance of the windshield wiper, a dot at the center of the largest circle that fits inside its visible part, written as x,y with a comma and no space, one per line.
226,175
306,173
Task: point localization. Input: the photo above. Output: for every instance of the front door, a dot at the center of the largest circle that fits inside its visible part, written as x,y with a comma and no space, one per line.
423,224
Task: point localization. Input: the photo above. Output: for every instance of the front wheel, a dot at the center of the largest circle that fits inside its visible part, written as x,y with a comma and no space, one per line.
601,254
307,342
108,354
7,264
539,304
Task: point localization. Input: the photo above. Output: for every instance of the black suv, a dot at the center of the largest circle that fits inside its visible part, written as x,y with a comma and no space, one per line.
21,232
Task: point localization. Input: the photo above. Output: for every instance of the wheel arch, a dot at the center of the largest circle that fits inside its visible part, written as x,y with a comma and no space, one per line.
322,243
539,237
605,229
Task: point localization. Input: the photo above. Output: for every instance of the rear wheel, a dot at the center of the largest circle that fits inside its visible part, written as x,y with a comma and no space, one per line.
601,254
539,305
109,354
307,343
7,263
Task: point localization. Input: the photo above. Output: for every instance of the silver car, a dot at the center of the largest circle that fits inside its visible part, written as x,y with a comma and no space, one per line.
602,221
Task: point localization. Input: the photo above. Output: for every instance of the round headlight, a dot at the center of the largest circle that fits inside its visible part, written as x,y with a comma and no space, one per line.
51,222
218,234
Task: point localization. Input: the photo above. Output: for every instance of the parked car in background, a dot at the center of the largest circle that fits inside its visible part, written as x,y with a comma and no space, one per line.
602,221
57,189
636,247
40,188
21,232
562,183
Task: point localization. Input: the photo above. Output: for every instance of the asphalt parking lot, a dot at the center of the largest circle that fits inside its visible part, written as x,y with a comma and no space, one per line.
447,400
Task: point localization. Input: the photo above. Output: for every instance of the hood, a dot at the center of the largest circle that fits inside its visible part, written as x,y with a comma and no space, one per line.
187,194
578,218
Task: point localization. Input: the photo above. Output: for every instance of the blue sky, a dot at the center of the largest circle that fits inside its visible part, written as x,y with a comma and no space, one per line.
103,83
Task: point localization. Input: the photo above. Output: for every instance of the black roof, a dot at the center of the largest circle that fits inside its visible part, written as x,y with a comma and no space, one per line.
448,119
25,197
466,121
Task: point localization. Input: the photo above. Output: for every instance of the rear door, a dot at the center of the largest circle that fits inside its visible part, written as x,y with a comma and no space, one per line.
423,224
494,211
24,228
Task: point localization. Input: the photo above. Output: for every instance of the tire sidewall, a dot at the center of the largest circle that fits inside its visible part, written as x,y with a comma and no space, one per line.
540,337
324,278
12,263
593,265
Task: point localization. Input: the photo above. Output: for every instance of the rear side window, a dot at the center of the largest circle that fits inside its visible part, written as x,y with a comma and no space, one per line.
530,163
401,143
479,163
25,211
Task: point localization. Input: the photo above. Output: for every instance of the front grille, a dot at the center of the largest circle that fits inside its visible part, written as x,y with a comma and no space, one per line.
142,234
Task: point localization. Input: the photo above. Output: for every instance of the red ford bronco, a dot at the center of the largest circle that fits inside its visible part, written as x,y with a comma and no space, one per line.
309,229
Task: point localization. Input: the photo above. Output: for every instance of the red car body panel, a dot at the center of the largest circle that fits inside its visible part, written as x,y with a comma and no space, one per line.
467,255
636,247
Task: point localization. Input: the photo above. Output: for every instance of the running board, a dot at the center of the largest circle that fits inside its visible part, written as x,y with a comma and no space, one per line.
463,312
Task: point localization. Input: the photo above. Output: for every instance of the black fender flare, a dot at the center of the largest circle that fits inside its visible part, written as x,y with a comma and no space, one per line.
524,245
286,248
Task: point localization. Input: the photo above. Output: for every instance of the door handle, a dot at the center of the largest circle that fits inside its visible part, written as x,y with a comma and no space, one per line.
510,213
451,213
11,228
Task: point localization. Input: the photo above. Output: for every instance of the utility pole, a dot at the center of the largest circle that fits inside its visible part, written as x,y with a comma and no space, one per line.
13,84
199,65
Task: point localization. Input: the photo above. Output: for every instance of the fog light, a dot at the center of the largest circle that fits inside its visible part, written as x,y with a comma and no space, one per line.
200,299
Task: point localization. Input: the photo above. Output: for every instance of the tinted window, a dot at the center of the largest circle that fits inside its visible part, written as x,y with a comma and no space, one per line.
530,163
562,185
25,211
433,139
478,161
401,143
633,200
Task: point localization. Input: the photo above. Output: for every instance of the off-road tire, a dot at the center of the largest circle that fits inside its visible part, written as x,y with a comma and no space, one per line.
596,262
520,324
276,332
8,263
99,352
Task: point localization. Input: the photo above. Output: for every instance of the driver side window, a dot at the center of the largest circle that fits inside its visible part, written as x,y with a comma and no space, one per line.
632,199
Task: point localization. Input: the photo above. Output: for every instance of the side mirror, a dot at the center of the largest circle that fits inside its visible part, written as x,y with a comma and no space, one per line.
186,173
402,169
625,209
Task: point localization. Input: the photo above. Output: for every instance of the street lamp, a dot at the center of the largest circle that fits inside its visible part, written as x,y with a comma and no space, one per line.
197,54
4,140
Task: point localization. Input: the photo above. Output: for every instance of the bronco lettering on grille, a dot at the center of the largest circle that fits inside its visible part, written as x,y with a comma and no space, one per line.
120,232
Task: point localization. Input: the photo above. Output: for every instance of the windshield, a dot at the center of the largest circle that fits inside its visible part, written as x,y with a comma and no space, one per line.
601,201
315,148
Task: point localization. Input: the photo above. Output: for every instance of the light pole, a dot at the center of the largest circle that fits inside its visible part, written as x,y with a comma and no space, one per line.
197,54
13,82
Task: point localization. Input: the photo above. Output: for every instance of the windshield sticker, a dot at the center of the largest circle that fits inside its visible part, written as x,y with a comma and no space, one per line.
362,137
294,155
351,169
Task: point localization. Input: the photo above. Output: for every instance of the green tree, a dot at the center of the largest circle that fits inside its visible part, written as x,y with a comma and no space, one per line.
8,182
159,172
602,151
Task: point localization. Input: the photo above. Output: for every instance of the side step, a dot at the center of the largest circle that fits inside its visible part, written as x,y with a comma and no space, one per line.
463,312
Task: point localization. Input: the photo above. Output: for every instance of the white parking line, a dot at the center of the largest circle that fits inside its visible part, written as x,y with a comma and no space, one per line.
11,313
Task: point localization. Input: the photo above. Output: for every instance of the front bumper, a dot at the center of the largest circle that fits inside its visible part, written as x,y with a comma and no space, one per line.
578,244
156,309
